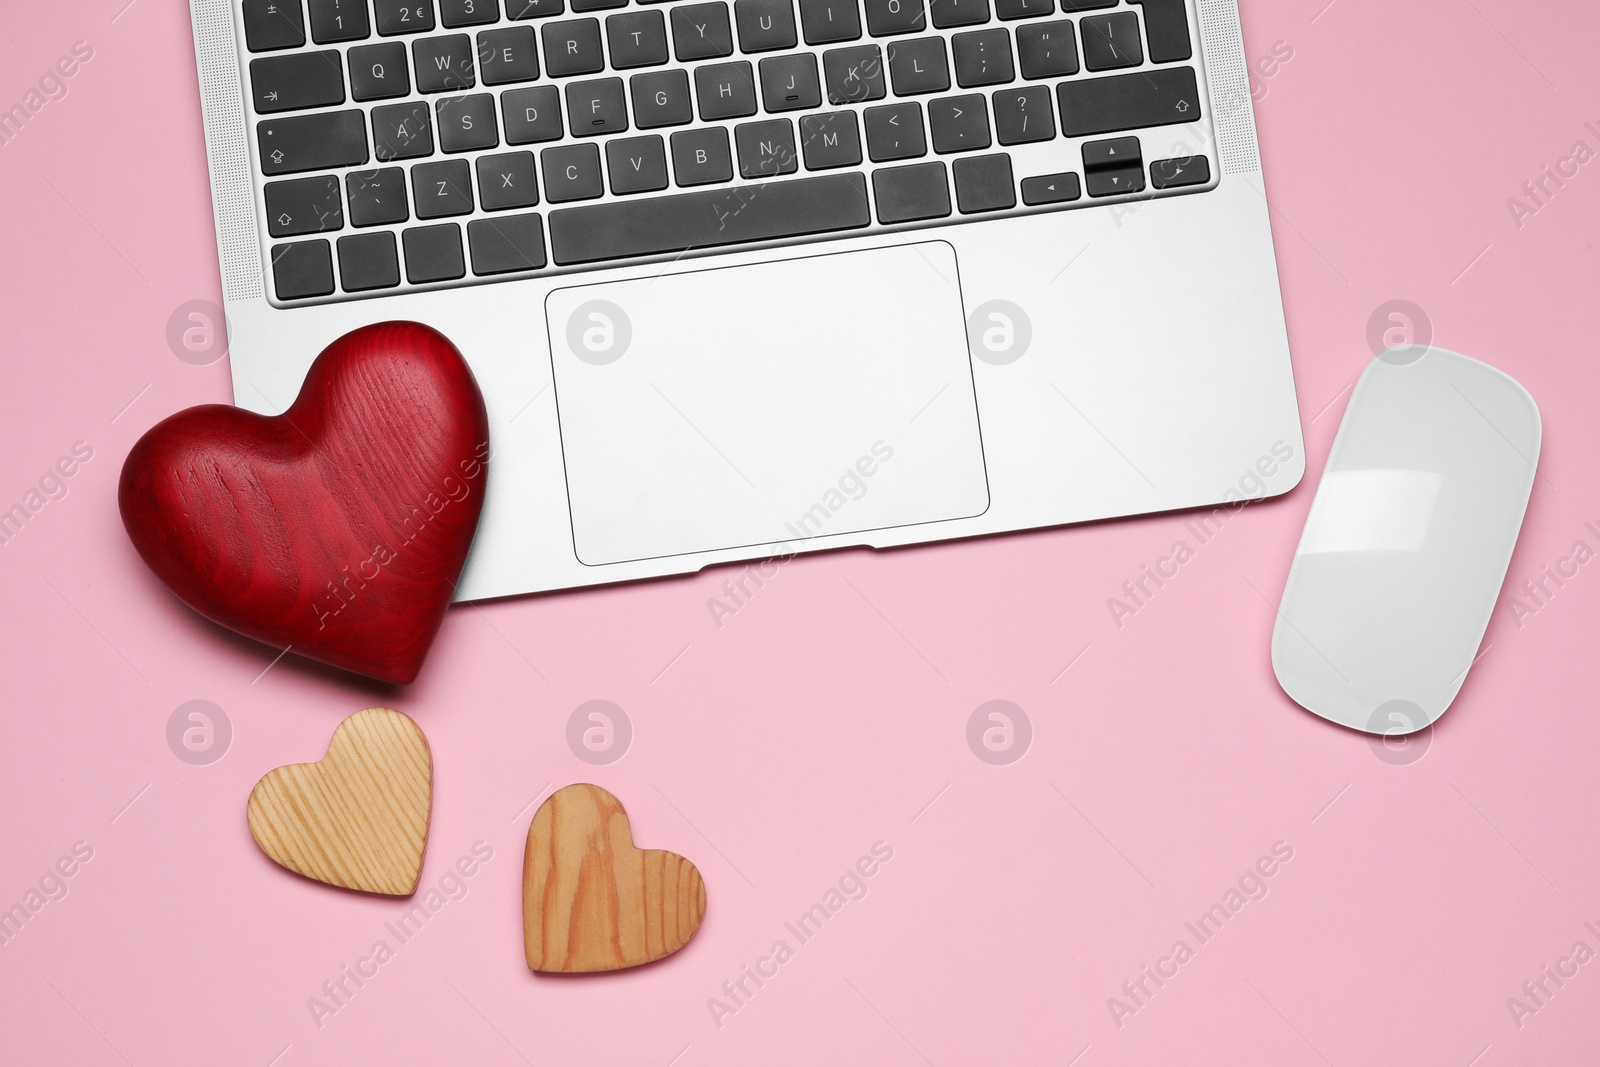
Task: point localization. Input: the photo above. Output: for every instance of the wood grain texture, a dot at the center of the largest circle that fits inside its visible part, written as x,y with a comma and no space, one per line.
358,818
591,901
337,529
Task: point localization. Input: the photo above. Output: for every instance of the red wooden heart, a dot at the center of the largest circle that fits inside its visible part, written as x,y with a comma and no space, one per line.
337,529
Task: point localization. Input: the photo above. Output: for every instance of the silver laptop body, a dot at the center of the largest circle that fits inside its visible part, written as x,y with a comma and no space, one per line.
789,276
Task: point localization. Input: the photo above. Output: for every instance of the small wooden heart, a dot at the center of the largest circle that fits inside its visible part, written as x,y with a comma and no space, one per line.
359,818
593,902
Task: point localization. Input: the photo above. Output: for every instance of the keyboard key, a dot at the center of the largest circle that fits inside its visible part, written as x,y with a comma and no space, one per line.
1177,173
726,90
506,181
1023,115
572,48
661,98
571,172
368,261
701,31
984,183
1051,189
637,39
339,20
1047,49
764,24
597,5
444,64
1166,30
273,24
455,13
377,196
918,66
304,205
983,57
959,123
308,205
433,254
1117,152
292,82
532,114
1111,41
909,194
1110,181
508,55
766,149
854,74
888,17
379,71
637,164
895,131
949,13
787,208
1086,5
311,142
701,157
789,83
506,244
596,107
403,16
830,139
466,123
302,269
402,131
442,189
1113,166
829,21
1023,9
517,10
1158,97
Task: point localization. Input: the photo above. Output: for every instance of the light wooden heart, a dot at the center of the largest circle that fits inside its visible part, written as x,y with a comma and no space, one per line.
593,902
359,818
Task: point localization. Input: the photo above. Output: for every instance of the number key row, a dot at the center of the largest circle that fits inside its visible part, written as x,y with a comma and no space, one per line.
270,25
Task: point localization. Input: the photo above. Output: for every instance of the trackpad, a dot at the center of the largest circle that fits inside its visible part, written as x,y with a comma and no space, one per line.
747,406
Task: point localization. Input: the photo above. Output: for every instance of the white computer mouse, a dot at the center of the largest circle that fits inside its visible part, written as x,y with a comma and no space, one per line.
1407,542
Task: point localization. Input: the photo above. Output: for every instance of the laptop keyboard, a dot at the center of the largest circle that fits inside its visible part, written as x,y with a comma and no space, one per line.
408,144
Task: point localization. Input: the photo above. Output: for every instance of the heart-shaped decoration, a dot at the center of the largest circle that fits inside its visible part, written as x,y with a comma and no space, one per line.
593,902
359,818
337,529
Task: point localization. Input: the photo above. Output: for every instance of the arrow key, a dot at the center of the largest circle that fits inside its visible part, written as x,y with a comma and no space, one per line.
1117,152
1051,189
1114,181
1177,173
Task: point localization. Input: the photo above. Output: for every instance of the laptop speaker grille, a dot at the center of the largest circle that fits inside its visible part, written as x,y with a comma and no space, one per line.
229,154
1230,85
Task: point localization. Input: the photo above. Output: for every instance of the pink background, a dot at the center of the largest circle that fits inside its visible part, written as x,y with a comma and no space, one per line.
832,710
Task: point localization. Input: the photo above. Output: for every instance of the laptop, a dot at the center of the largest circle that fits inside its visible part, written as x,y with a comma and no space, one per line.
746,278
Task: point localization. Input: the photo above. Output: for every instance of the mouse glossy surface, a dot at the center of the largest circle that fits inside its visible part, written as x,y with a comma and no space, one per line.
1407,542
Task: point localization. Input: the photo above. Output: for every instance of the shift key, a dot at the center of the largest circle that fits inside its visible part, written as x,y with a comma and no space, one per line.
312,142
1157,97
